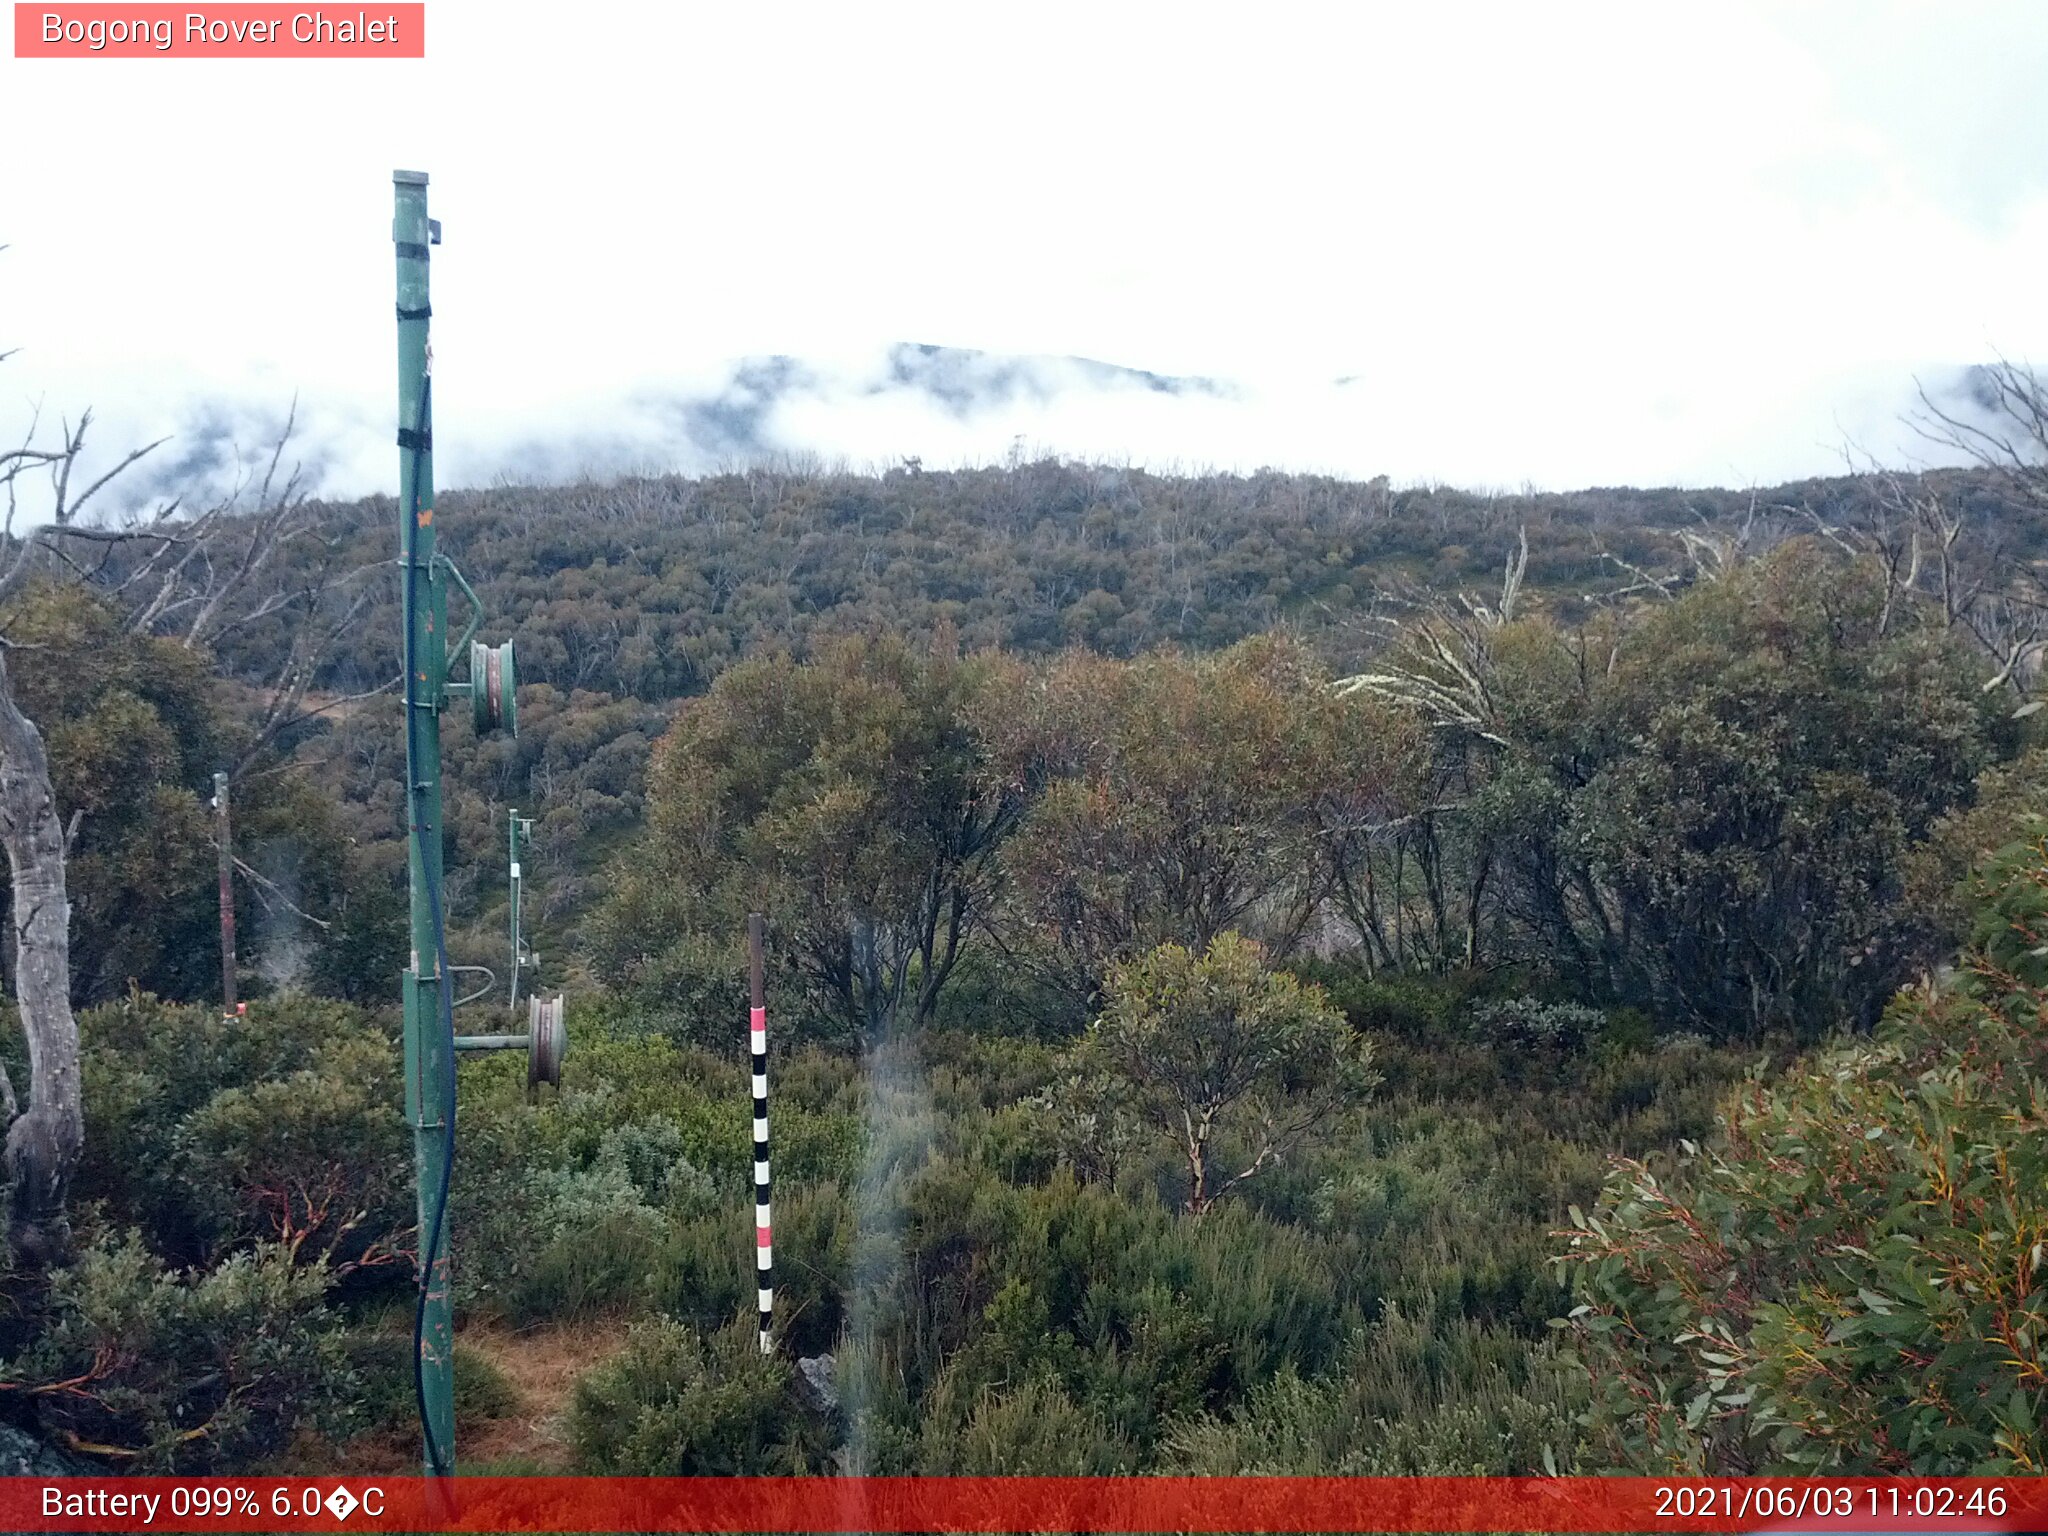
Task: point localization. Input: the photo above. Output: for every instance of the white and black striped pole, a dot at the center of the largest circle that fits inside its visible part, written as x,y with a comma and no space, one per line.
757,1039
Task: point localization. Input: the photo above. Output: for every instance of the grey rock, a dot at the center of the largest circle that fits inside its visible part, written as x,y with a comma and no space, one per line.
816,1386
23,1455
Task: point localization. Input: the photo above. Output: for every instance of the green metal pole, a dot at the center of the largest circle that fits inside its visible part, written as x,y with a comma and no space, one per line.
428,1063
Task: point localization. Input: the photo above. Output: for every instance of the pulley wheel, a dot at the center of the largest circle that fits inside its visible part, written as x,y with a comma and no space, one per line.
493,688
547,1040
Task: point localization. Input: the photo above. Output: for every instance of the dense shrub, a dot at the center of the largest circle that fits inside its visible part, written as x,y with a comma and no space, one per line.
382,1401
1235,1065
632,1188
990,997
847,798
1140,1314
1529,1021
368,941
1034,1429
989,1309
161,1372
285,1125
675,1404
1409,1401
1175,799
2010,796
634,594
1718,824
1846,1279
1736,811
1412,1008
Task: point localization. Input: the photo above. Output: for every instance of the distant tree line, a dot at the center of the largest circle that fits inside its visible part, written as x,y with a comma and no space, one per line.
1709,808
1418,848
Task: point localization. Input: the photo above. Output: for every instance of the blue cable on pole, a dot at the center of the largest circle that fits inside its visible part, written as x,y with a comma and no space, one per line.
436,1453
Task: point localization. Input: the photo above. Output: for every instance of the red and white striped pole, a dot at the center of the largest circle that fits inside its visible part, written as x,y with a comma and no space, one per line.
757,1032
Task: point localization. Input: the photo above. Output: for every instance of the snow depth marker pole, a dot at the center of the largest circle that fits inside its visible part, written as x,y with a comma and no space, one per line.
757,1040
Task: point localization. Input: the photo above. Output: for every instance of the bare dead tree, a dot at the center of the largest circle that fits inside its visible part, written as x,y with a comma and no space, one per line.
2010,434
187,577
1923,539
45,1137
1440,666
218,580
1705,554
1940,569
1999,602
1441,663
1714,552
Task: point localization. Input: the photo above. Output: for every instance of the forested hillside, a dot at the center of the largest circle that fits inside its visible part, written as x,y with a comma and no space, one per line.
1267,975
625,598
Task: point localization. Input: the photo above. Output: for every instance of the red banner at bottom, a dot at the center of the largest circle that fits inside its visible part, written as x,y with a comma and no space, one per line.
1023,1504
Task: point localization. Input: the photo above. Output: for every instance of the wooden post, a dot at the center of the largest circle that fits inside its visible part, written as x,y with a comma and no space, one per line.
223,835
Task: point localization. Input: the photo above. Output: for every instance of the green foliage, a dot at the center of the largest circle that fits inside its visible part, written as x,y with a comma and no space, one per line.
1734,813
675,1404
1226,1058
630,1190
690,986
1444,1213
967,1283
1032,1430
367,945
1088,1119
1408,1401
283,1126
1846,1279
2010,929
135,727
1177,800
2009,797
1530,1021
636,595
1140,1314
988,1309
382,1401
314,1161
994,995
1716,825
163,1372
132,732
848,800
1414,1008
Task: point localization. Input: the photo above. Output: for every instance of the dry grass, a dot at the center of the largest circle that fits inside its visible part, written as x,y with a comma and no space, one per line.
542,1365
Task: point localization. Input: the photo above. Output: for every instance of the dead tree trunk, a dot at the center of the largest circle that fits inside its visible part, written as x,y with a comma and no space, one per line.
193,571
43,1141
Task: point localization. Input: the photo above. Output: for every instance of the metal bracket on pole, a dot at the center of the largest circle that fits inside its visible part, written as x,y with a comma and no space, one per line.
545,1042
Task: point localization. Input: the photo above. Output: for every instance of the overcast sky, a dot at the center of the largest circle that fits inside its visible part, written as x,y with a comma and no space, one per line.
1556,244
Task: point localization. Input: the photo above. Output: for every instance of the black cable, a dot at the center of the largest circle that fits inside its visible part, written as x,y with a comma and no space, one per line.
437,1456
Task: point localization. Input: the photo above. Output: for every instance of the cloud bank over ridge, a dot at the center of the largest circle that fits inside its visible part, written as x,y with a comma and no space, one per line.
1478,243
949,407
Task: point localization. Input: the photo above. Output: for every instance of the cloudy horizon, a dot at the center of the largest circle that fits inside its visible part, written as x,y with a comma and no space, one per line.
1480,246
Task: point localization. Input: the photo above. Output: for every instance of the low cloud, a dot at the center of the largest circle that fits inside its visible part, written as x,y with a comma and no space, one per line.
950,407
